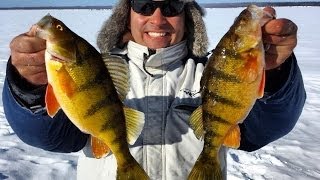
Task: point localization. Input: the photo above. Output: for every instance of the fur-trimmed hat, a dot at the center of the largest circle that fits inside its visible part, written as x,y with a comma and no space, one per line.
114,29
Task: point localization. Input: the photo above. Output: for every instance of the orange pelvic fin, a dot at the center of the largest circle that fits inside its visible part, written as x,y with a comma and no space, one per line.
262,84
52,104
99,148
233,137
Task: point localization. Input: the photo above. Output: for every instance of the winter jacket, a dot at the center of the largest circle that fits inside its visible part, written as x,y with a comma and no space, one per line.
165,87
167,147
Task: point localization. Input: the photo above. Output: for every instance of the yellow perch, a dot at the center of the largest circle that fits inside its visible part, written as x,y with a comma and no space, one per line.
80,84
232,80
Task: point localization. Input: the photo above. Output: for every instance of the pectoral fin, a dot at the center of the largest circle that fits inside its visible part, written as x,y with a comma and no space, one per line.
66,82
134,123
52,104
233,137
99,148
196,123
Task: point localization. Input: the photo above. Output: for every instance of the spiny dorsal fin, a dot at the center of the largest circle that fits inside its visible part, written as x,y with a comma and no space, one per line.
232,139
196,123
134,123
119,72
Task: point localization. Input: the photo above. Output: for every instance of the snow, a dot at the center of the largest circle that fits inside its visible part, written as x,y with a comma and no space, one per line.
294,156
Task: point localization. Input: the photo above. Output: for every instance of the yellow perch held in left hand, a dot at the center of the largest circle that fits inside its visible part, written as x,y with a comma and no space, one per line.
80,84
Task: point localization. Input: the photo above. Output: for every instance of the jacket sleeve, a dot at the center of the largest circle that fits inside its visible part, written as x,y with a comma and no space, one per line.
276,113
30,121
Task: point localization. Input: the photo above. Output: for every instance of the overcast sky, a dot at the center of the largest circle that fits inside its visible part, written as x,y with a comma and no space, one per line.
35,3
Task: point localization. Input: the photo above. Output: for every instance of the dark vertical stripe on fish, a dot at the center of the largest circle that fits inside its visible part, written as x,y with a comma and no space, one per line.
211,142
223,100
216,118
100,77
116,121
210,133
82,51
109,100
116,118
210,146
224,76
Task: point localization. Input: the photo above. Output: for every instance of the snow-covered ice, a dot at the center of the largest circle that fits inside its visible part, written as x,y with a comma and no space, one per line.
295,156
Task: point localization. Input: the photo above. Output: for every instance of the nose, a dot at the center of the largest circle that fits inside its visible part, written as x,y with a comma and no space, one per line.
157,17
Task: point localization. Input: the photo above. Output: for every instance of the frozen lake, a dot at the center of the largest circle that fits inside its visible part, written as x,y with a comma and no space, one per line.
296,156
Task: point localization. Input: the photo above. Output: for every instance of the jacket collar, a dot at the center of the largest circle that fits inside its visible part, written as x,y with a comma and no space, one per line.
156,61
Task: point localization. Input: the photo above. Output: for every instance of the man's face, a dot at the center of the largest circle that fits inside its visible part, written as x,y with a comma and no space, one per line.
157,31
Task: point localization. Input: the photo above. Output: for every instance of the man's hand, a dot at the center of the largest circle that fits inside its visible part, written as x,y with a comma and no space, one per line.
279,37
27,56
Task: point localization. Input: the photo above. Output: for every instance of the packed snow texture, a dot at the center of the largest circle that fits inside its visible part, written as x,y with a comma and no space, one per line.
295,156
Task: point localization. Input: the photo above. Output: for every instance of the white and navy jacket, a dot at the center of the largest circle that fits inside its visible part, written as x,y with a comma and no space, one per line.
165,86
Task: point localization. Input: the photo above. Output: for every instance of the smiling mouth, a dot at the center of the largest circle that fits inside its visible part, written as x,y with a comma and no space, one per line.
157,34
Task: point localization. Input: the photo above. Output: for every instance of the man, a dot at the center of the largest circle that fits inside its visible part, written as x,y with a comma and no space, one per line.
165,44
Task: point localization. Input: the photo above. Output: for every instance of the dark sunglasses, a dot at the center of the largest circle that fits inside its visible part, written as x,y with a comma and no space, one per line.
169,8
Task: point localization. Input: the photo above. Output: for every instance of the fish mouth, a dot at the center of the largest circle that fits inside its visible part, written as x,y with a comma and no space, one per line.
56,57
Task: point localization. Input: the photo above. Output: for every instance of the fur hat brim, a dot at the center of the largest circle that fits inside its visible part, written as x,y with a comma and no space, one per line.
115,29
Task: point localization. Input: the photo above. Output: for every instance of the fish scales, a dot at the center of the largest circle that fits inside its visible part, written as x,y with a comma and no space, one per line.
79,83
232,80
79,105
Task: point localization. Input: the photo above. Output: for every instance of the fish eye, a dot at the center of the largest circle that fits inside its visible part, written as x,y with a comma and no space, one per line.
59,27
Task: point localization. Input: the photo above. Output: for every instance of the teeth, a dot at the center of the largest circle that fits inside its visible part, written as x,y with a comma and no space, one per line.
156,34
